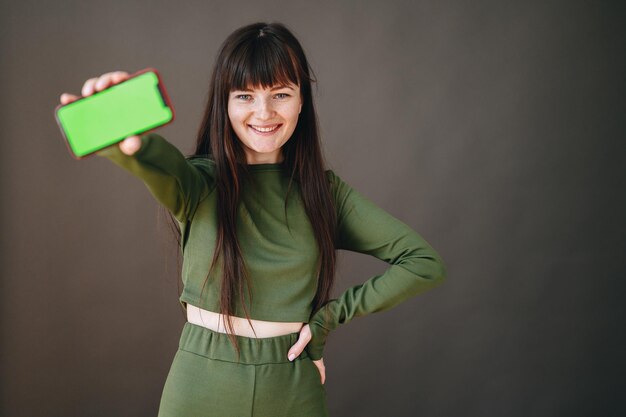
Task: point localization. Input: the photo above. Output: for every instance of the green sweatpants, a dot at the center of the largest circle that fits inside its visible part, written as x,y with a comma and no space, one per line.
205,379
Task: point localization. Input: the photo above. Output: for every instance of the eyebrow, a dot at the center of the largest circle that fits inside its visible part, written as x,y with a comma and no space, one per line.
279,87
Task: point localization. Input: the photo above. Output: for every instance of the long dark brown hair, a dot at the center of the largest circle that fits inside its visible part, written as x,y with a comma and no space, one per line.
262,55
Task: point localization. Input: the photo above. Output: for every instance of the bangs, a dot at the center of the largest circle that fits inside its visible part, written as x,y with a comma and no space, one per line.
264,63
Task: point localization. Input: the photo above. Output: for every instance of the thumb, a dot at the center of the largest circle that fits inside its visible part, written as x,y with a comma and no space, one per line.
298,347
130,145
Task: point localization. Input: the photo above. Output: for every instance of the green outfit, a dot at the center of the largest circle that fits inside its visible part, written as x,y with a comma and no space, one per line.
205,379
281,257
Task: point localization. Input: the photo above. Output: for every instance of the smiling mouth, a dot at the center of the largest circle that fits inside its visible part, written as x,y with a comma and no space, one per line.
260,129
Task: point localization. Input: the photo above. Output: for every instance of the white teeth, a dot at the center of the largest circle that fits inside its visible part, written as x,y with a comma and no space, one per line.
263,129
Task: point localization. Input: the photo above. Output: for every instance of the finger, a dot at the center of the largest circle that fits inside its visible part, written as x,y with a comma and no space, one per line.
100,83
298,347
68,98
119,76
103,82
110,78
88,87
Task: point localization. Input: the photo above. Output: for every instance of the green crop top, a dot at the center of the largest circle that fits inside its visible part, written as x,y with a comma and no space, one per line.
281,261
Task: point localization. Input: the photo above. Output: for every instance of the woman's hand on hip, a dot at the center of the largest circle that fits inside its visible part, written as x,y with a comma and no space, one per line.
298,347
131,144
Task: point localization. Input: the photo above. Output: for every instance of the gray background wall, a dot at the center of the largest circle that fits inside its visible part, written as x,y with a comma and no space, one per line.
495,129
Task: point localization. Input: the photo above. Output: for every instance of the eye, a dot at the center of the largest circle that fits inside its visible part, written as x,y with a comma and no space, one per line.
285,95
242,95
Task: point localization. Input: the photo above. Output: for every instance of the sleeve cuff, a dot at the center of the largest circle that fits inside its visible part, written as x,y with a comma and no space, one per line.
315,347
321,324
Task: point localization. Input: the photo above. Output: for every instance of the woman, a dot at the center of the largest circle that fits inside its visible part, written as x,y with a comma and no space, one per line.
259,220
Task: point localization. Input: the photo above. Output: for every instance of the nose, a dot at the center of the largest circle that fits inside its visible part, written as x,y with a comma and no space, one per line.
265,109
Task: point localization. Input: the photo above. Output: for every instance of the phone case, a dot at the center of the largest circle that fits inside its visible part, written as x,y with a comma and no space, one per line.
133,121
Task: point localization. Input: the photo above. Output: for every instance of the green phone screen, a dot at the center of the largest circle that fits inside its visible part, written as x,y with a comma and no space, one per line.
108,116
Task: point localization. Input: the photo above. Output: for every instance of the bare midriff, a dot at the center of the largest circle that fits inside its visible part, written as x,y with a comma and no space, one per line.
215,321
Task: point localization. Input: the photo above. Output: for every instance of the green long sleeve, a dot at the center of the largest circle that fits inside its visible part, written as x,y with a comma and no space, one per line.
281,260
179,184
366,228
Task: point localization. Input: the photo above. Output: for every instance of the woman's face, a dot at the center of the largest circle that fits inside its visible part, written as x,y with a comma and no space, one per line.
264,119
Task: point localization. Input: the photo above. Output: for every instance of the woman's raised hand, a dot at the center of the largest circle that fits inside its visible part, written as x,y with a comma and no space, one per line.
131,144
298,347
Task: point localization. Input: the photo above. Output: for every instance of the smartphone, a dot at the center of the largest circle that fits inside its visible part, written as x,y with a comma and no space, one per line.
134,106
